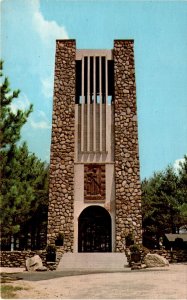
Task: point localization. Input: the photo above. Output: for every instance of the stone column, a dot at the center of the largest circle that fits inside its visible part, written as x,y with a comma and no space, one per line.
61,181
127,178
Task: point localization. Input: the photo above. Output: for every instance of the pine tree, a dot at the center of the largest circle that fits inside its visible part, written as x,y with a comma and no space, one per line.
164,202
182,194
10,122
23,188
24,178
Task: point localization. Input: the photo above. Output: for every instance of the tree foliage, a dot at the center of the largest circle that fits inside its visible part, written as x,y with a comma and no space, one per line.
164,202
24,188
24,178
10,122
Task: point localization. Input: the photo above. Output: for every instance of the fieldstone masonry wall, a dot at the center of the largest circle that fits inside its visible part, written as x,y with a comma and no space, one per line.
127,180
17,258
61,188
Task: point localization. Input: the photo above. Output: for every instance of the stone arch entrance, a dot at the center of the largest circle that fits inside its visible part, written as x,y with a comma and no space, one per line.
94,230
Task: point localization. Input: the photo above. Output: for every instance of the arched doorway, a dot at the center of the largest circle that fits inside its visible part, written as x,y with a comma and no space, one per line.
94,230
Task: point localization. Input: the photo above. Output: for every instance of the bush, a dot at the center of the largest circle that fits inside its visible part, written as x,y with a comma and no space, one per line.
134,248
135,254
129,240
51,248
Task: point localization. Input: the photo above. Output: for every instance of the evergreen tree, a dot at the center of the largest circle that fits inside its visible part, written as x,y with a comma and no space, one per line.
24,188
183,192
164,202
24,178
10,122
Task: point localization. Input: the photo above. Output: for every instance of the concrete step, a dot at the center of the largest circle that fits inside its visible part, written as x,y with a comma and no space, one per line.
92,262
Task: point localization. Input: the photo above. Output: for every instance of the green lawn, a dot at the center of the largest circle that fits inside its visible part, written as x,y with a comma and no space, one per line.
8,291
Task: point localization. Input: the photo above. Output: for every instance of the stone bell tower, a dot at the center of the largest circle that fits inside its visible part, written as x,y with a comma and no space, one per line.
94,191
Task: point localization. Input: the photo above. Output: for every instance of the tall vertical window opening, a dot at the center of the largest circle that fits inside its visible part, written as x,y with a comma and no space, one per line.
97,76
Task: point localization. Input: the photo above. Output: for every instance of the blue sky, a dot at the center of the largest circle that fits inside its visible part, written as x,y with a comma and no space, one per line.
159,28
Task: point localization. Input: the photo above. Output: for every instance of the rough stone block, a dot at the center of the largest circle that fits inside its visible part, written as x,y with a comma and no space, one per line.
155,260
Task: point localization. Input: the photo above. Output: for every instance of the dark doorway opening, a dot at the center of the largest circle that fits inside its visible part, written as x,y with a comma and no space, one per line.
94,230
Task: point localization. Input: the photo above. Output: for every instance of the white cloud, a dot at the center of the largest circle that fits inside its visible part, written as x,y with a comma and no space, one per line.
42,114
21,103
47,30
39,125
176,164
47,86
42,121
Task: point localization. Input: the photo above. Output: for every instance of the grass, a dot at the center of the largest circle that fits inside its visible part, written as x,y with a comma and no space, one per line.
8,291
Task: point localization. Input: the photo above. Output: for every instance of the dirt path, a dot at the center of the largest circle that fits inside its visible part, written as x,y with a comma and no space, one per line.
149,284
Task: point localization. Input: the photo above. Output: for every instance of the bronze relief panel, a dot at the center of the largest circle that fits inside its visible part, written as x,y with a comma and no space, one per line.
94,182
